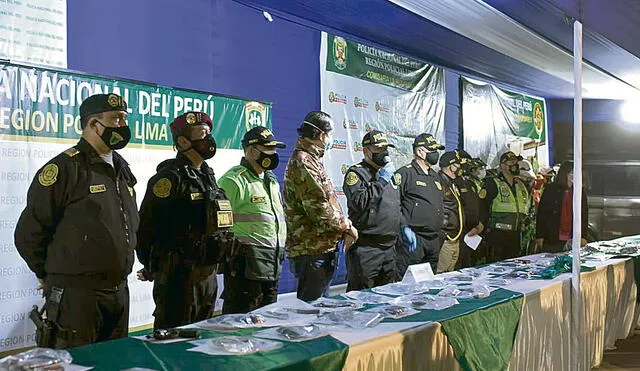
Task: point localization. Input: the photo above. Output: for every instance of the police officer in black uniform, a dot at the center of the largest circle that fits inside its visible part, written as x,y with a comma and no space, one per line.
184,227
374,208
471,210
453,215
421,201
77,232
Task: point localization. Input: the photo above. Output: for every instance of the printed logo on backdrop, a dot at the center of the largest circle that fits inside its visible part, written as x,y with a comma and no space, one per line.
337,98
380,107
538,117
357,146
360,103
344,168
339,144
255,114
349,124
339,191
340,53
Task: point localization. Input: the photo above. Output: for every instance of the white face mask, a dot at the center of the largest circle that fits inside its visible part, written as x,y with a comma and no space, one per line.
328,142
481,173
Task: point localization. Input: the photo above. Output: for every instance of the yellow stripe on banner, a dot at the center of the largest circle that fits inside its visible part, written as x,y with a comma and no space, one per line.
29,138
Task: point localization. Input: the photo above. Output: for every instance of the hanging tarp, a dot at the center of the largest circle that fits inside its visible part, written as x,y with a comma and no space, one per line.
496,120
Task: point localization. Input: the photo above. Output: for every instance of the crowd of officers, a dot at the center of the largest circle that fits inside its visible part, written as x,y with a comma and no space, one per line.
81,225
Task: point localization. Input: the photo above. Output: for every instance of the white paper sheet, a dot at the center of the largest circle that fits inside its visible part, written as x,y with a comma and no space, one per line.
472,241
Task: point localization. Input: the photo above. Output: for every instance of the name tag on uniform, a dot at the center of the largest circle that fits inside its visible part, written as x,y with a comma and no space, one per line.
197,196
421,183
463,190
225,219
224,205
97,188
258,199
504,227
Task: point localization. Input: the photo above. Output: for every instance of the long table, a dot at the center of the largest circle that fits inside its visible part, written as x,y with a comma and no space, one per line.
524,326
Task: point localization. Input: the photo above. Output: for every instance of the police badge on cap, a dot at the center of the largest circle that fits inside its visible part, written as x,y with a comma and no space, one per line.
99,103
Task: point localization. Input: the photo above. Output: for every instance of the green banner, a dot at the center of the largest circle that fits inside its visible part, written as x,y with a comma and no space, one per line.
368,63
528,114
43,103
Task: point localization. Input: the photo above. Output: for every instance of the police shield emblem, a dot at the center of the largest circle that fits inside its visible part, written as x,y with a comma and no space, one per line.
340,52
255,114
538,118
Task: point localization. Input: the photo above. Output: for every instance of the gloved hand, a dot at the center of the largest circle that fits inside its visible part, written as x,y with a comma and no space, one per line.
386,172
409,236
340,245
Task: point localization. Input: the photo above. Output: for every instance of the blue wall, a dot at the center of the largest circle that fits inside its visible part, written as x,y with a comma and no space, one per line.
216,46
210,45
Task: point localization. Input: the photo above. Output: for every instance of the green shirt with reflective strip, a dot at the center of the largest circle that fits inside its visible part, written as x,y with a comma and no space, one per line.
258,220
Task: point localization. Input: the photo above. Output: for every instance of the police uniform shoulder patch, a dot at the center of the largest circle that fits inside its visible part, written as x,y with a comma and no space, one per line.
71,152
438,185
482,194
48,175
398,178
351,179
162,188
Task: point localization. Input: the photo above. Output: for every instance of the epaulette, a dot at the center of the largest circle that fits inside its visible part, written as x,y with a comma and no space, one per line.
408,166
71,152
357,165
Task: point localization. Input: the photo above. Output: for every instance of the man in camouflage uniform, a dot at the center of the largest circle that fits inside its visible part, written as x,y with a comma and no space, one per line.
184,227
316,224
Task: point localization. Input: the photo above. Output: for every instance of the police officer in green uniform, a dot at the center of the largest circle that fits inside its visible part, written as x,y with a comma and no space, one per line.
373,202
77,232
251,277
185,222
421,203
504,203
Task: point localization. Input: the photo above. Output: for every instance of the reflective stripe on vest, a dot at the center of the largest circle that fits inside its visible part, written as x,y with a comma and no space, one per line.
259,218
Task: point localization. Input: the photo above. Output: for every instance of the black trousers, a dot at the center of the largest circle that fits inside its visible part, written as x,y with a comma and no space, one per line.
86,316
180,301
242,295
503,245
427,251
314,274
370,266
470,258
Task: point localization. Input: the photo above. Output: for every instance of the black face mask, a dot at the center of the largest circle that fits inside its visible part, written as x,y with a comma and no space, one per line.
432,158
268,161
380,158
115,137
514,169
206,147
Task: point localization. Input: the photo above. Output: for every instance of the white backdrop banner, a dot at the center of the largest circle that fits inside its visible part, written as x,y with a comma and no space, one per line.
34,31
497,120
365,88
38,120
